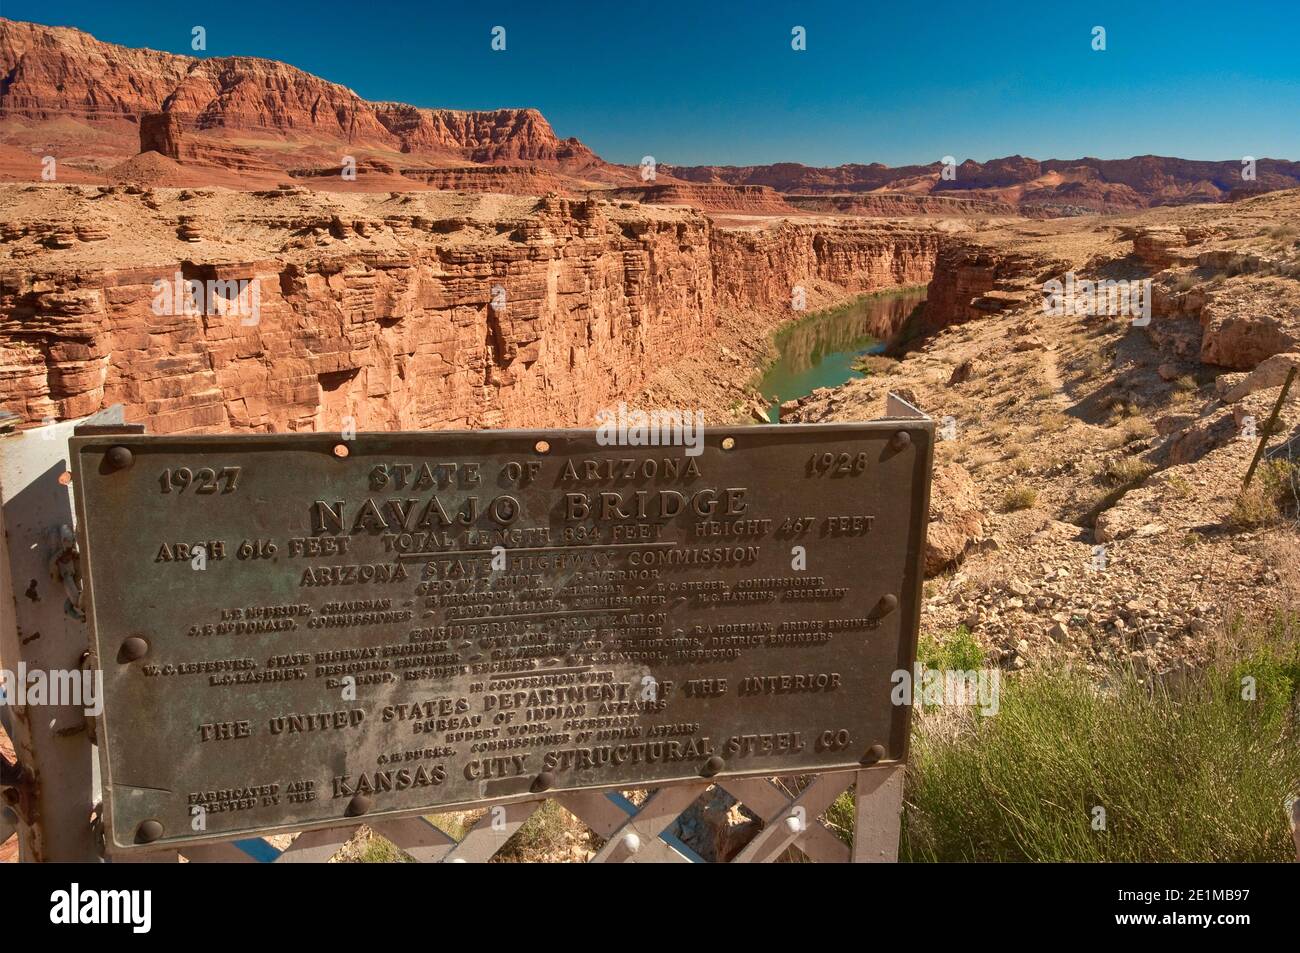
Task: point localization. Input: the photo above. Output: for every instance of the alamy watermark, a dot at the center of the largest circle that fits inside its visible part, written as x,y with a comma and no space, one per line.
924,686
624,427
240,297
1109,296
78,905
74,688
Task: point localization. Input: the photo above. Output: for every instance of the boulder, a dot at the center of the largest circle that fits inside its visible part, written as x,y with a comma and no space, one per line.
1271,372
956,520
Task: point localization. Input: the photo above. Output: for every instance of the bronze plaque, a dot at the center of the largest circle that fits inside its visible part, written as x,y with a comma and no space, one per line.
297,629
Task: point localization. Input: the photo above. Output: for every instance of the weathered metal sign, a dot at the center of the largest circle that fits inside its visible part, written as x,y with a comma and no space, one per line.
298,629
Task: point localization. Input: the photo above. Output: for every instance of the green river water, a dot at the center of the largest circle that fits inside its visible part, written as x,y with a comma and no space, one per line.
819,350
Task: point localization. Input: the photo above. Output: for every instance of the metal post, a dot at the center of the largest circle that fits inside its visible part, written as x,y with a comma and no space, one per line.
1268,427
878,814
52,790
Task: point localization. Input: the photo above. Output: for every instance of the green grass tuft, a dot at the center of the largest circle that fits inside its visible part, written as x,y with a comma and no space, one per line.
1185,772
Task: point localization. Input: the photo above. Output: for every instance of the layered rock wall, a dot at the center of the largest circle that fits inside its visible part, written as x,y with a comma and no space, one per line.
400,321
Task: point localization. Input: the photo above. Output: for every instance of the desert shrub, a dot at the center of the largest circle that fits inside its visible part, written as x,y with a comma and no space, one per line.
870,364
1192,772
1019,497
1270,496
1054,422
956,650
1091,365
1179,486
1127,471
1187,384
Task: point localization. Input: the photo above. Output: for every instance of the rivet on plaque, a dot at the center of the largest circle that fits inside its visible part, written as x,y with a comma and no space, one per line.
148,832
133,648
119,458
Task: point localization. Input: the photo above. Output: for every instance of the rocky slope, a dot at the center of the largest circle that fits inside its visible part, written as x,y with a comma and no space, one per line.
1107,456
381,308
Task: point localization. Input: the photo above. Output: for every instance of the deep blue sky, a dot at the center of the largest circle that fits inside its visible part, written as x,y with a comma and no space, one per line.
719,84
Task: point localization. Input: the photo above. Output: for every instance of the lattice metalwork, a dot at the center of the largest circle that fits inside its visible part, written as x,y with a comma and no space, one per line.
631,833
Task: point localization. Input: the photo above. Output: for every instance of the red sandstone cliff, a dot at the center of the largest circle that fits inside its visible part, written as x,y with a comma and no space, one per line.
53,73
380,308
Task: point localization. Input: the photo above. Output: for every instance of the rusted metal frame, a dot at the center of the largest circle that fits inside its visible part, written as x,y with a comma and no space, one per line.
41,628
878,814
877,819
605,814
419,837
490,833
672,840
316,847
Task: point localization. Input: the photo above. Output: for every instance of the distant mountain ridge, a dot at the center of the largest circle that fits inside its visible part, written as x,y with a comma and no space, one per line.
1088,183
62,89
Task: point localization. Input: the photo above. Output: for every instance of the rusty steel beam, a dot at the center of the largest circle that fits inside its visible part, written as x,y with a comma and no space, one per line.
52,794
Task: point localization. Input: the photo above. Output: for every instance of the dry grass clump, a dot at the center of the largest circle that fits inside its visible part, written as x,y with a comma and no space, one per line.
1127,471
1019,497
1270,497
1163,758
1129,429
870,364
1179,486
1054,422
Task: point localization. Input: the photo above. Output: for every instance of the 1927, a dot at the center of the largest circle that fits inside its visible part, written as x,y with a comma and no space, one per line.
205,480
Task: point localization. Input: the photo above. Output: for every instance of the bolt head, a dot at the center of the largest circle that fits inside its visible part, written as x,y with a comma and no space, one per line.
900,441
359,805
874,754
119,458
132,649
712,766
148,832
888,603
544,781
